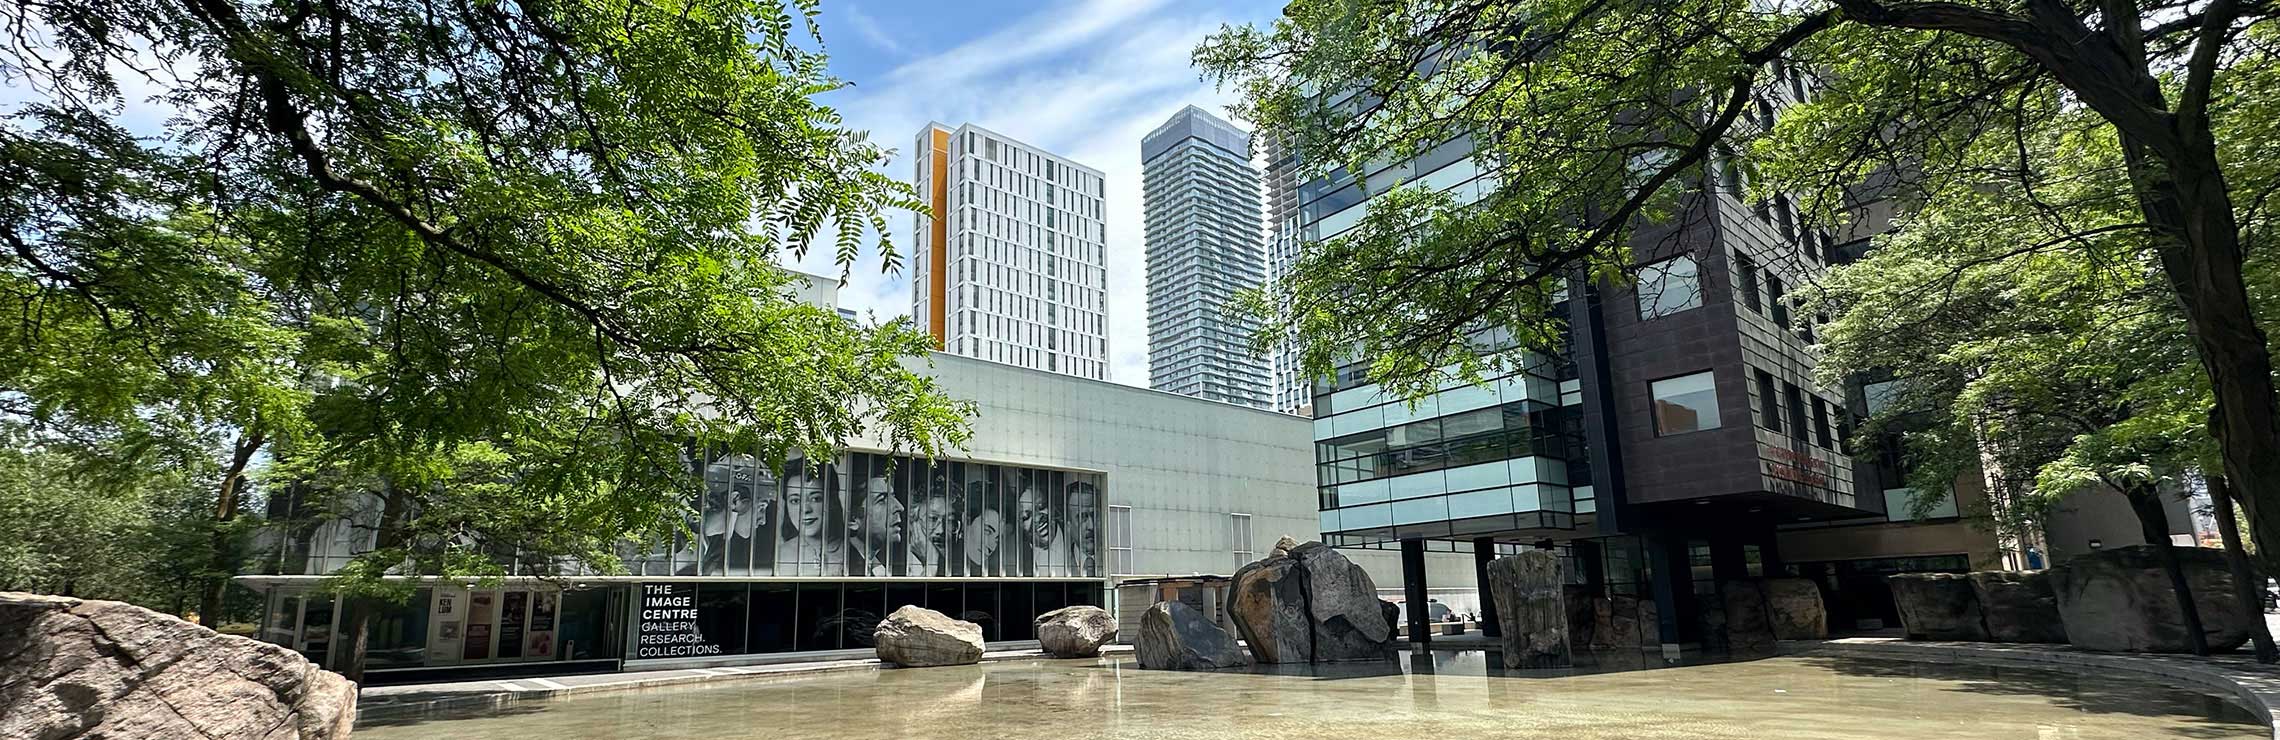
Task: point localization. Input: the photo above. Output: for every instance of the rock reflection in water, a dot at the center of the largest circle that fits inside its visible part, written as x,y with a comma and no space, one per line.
1431,694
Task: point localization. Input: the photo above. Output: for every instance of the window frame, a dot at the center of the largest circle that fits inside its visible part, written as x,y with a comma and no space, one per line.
1703,424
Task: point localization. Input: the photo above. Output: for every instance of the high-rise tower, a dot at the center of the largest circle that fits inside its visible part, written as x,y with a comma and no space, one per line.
1012,265
1204,246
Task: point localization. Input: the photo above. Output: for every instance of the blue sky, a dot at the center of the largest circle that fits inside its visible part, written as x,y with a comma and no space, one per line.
1083,79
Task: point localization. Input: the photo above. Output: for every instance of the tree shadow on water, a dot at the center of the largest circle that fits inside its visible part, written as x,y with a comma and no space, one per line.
2209,715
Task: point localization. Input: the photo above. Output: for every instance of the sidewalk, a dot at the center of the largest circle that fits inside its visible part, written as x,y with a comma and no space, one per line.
408,701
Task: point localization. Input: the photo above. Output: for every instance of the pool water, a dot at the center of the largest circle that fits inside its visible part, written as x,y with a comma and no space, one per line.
1438,696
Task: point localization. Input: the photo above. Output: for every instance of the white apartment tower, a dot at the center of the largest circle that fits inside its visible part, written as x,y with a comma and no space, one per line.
1012,266
1293,392
1204,246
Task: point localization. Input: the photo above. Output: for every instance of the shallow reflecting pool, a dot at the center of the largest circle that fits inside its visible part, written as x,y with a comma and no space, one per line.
1447,696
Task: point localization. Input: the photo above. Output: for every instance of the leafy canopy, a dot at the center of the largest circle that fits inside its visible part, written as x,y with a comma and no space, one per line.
502,261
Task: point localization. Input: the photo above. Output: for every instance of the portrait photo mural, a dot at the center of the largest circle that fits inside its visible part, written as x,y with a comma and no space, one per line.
872,515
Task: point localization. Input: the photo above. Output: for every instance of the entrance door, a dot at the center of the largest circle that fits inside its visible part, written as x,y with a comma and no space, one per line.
316,636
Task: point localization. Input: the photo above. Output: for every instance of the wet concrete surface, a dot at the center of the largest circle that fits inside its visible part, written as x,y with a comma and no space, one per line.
1440,696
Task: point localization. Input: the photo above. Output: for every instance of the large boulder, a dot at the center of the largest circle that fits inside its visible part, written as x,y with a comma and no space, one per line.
1583,616
103,669
2018,607
1176,637
1308,604
1625,622
1392,613
1075,631
1796,609
915,637
1937,606
2120,600
1749,621
1531,609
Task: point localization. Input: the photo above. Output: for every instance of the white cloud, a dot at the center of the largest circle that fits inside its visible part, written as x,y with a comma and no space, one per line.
867,27
1086,83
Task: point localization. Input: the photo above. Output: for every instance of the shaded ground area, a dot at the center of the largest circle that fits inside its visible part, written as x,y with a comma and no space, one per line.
1438,695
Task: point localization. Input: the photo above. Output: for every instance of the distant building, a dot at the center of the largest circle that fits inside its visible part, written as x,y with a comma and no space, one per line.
1203,249
1290,392
1011,266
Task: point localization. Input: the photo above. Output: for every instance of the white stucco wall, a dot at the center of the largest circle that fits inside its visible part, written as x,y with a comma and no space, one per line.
1183,464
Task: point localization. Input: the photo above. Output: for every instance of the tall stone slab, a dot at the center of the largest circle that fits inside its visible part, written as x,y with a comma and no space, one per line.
1307,604
2019,607
103,669
1937,606
1342,607
2120,600
1532,609
1176,637
1795,606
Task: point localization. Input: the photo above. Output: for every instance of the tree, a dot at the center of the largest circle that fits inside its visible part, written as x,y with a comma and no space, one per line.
1598,117
2055,370
426,244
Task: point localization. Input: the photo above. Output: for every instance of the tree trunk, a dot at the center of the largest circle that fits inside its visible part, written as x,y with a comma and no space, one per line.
220,561
2248,586
356,617
2155,523
389,535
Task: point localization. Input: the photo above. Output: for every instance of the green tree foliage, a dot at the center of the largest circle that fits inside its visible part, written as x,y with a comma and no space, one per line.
501,263
1596,118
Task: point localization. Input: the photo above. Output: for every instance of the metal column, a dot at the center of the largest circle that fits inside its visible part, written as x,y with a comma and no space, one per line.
1413,591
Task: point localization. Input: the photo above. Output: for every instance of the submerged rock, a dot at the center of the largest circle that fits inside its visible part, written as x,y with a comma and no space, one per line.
104,669
1075,631
2020,607
1176,637
1937,606
2119,599
915,637
1531,609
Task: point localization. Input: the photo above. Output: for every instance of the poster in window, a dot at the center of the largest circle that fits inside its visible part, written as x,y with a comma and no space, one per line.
540,643
513,609
934,523
812,538
739,500
480,619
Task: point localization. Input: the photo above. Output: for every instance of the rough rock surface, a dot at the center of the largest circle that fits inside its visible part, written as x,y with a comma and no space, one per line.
2019,607
1749,620
1624,622
1176,637
1585,627
1531,609
1308,604
1795,606
1392,612
1075,631
915,636
103,669
2119,599
1937,606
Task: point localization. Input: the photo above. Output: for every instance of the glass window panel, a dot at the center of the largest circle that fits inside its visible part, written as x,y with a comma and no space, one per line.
860,608
934,525
982,609
1415,511
948,598
985,522
1481,503
1485,475
818,627
721,609
1017,612
772,613
1687,403
1668,287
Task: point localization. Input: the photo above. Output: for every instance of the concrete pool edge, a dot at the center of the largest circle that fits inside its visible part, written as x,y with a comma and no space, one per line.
417,701
2256,687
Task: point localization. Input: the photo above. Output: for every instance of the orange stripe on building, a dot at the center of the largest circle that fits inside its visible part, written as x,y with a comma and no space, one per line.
938,250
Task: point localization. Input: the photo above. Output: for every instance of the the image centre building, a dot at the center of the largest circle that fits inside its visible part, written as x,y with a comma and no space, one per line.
1066,487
